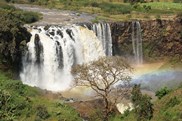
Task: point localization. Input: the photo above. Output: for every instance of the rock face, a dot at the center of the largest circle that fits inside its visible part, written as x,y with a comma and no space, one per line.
161,38
12,49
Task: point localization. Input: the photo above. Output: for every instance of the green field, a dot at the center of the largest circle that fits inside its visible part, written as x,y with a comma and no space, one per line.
114,10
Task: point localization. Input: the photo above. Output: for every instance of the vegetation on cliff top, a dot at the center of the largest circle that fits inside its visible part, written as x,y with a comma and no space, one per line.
114,10
23,16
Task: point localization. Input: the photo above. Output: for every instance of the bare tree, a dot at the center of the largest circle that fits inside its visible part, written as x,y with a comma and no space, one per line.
109,77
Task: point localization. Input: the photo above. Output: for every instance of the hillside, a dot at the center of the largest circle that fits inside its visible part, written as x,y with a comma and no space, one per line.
168,108
21,102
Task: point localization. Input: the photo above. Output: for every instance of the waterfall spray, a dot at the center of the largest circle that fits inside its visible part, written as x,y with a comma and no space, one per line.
53,51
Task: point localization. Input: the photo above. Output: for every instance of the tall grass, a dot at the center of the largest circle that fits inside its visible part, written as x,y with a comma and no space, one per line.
115,8
165,6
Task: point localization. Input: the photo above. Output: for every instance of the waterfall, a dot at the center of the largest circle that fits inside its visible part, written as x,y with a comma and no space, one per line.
103,32
52,51
137,42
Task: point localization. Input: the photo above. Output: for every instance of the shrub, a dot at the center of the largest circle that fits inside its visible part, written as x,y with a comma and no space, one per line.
142,104
42,112
147,7
177,1
8,1
31,1
145,109
27,17
162,92
94,4
136,95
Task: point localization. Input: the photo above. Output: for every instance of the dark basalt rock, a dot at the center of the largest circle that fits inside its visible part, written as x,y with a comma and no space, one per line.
69,32
38,50
160,38
59,32
51,33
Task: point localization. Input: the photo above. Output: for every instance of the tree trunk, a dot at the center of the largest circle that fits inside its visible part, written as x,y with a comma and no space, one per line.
106,113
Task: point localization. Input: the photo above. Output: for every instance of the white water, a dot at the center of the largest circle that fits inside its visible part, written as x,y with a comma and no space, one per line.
137,42
103,32
47,64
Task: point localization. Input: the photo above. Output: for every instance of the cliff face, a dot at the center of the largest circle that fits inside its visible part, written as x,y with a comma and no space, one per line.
160,38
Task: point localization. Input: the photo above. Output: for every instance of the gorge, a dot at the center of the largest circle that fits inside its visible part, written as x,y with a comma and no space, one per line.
75,66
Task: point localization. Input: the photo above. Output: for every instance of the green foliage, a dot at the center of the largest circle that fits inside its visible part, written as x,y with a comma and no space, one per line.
142,104
20,102
136,95
27,17
177,1
13,34
172,102
145,109
31,1
96,20
134,1
23,16
169,108
115,8
5,109
6,6
162,92
42,112
105,6
147,8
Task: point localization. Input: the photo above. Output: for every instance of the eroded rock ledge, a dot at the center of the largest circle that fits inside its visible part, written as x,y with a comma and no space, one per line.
160,38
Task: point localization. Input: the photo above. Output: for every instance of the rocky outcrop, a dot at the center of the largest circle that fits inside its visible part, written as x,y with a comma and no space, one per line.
160,38
13,39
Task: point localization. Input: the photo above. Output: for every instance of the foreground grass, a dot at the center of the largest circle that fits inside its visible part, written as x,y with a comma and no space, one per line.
20,102
168,108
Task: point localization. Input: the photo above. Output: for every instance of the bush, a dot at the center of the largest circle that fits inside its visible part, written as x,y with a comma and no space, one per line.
94,4
142,104
42,112
177,1
7,108
162,92
27,17
147,7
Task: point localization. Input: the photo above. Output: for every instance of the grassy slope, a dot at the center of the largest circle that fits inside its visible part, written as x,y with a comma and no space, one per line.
26,100
169,108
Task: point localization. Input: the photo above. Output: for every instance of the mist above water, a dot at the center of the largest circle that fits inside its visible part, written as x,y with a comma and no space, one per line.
52,51
160,78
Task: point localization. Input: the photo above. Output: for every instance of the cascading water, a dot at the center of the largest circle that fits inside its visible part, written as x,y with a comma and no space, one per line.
103,32
53,51
137,42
